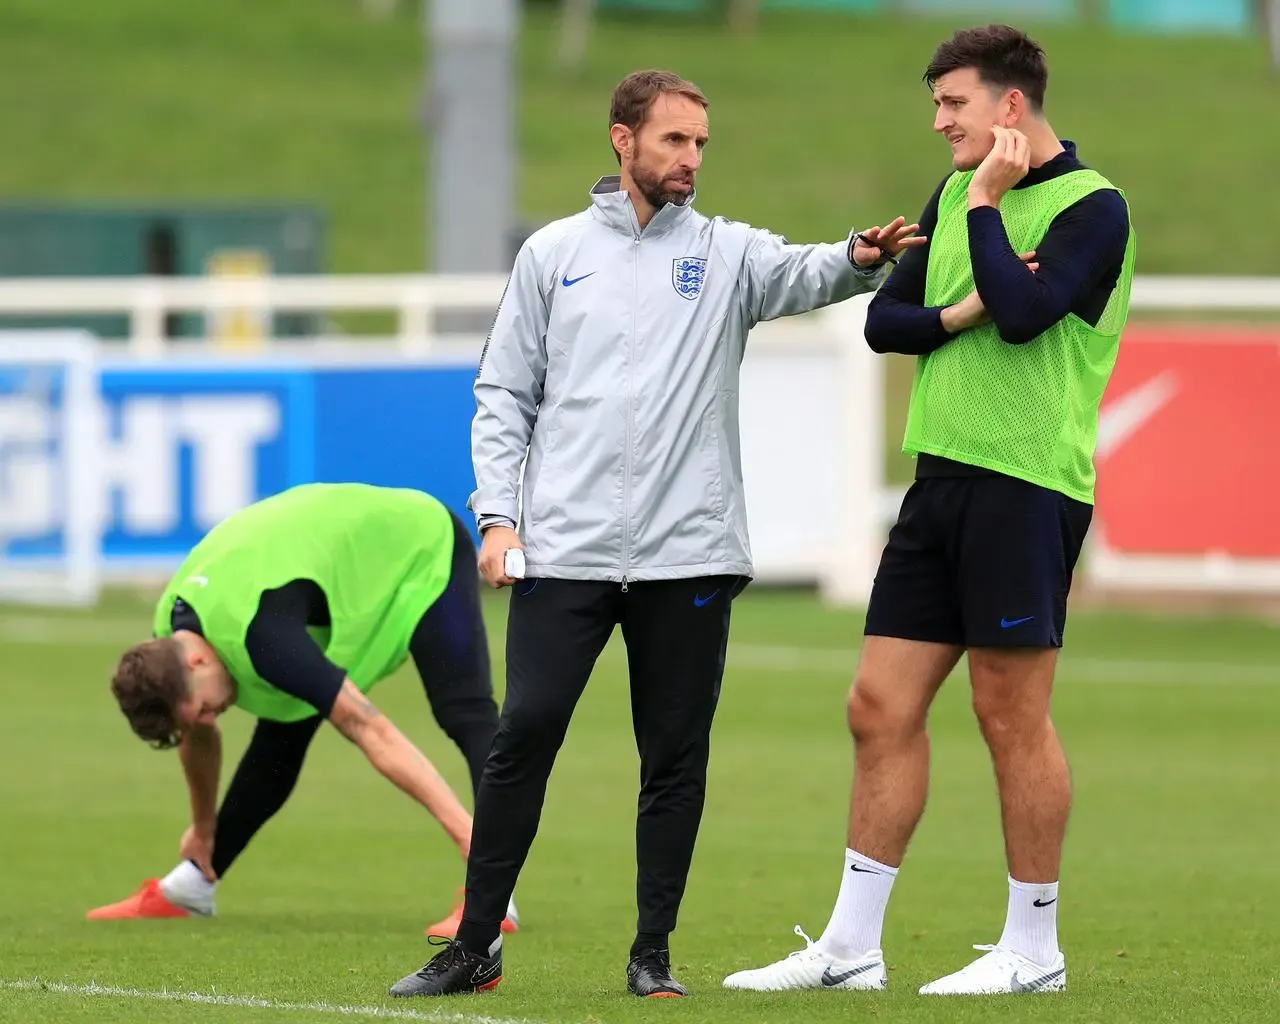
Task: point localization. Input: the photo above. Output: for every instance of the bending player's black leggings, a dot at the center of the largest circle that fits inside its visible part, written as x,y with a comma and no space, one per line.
676,632
451,652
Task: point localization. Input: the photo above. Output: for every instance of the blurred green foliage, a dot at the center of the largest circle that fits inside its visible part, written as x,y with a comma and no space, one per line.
818,121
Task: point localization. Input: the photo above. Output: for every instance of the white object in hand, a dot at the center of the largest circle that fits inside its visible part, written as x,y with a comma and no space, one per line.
514,563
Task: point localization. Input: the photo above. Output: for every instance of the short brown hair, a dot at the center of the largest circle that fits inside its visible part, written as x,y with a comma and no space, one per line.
635,94
1002,55
150,682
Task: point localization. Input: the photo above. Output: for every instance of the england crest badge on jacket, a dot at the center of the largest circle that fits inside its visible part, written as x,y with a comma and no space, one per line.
687,273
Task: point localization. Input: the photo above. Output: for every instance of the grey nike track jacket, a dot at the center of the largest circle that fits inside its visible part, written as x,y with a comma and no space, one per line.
610,377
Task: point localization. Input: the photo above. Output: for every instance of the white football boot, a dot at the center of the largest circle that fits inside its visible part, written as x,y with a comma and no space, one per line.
812,968
1000,971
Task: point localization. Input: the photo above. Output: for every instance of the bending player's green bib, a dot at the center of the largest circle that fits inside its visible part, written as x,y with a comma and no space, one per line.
381,555
1029,411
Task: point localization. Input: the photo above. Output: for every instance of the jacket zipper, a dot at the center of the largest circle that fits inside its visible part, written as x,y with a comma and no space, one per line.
626,465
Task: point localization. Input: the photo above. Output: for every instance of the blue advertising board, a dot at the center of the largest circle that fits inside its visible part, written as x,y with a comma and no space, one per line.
181,446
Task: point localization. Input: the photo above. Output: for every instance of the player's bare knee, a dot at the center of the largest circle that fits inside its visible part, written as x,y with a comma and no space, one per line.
998,722
873,714
1011,691
858,708
1008,719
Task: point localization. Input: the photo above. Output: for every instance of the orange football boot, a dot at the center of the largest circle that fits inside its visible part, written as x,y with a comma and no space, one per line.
148,901
448,928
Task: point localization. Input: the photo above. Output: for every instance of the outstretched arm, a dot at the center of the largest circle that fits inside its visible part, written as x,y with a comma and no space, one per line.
399,761
285,655
783,279
201,755
897,318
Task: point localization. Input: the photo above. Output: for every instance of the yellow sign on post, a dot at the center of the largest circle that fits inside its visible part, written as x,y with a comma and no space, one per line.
241,325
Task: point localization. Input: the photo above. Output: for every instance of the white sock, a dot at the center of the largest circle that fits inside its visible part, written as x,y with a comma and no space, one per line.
1031,925
186,886
511,909
858,918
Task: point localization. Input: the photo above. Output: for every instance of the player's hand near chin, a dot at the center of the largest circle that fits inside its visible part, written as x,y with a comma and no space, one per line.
495,544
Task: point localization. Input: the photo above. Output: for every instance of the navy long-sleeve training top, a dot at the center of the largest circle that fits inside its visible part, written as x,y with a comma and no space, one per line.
281,649
1080,259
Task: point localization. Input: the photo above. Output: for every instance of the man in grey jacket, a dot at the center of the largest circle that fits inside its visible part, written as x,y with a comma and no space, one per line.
610,378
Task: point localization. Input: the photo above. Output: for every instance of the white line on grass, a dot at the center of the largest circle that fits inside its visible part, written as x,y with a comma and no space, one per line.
213,999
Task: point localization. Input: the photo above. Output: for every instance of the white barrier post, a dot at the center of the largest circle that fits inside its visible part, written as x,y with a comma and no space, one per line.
415,319
146,324
49,432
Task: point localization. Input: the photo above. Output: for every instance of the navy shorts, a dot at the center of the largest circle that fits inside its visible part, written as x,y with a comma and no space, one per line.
979,561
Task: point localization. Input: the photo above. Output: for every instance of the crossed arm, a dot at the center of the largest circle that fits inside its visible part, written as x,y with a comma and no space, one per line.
1083,245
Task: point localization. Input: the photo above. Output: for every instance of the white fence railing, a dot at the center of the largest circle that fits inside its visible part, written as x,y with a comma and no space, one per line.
417,298
146,301
812,398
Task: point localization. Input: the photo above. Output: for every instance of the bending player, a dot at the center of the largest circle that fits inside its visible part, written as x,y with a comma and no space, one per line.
292,609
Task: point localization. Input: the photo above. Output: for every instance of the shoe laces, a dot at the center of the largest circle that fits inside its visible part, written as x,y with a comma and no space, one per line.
449,956
660,958
1002,956
809,944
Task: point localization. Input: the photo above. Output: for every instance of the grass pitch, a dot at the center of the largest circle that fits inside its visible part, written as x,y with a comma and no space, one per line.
1169,887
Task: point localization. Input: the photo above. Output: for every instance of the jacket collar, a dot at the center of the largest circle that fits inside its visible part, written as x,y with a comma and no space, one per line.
612,205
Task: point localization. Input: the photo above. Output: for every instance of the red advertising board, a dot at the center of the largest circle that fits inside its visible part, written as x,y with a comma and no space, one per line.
1189,444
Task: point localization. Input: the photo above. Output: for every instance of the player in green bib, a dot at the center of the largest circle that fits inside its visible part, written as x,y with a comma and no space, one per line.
1013,311
293,609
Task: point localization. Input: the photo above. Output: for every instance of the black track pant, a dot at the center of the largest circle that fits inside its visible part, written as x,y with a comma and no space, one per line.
676,633
451,652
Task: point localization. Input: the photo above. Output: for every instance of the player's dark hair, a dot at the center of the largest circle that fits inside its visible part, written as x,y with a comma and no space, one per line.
635,95
150,684
1003,56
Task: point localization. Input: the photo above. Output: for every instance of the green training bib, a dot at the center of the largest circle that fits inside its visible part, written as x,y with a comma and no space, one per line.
1029,411
381,555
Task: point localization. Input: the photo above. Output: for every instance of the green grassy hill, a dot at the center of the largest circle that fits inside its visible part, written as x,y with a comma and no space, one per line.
817,122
